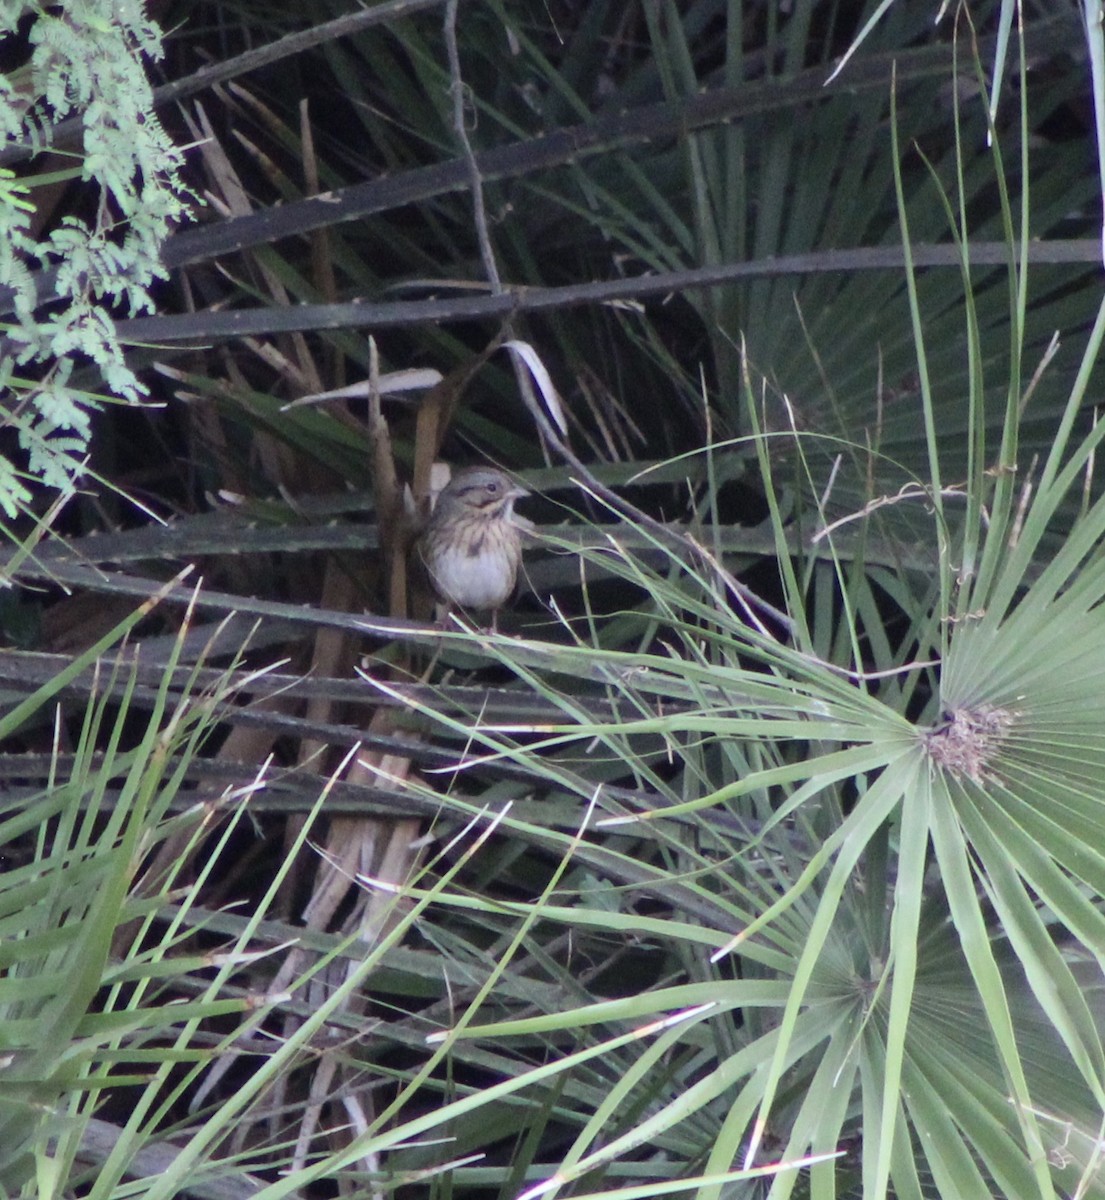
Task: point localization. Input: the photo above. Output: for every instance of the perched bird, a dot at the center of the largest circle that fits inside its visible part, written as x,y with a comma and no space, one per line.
472,545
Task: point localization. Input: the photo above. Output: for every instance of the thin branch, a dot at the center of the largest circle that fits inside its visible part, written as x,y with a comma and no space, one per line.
458,91
215,326
251,60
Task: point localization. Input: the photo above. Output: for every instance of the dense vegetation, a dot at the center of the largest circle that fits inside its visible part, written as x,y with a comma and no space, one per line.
759,850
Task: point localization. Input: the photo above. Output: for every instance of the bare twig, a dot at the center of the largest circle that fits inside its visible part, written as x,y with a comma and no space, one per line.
458,91
215,326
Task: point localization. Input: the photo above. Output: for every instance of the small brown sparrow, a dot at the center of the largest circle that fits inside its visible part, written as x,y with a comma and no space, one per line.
472,544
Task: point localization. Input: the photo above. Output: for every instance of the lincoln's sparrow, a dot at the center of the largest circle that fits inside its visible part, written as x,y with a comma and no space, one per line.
472,545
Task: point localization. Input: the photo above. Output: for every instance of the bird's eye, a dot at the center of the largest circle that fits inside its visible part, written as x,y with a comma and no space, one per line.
493,487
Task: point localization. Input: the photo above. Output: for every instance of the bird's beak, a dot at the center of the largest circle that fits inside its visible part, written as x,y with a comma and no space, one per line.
517,492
